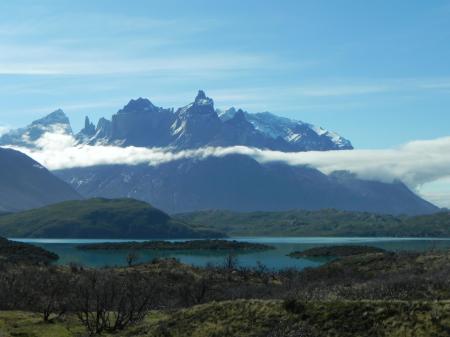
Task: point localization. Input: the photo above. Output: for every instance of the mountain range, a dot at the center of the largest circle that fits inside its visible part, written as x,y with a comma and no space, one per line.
234,182
198,124
240,183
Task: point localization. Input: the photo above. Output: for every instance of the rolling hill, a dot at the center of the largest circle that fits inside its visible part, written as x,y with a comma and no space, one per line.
327,222
98,218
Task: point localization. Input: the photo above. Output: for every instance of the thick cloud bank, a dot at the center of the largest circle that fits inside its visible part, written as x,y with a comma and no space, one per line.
414,163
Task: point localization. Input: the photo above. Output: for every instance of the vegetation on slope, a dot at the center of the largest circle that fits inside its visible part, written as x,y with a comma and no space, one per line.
370,295
262,318
214,245
17,252
98,218
327,222
253,318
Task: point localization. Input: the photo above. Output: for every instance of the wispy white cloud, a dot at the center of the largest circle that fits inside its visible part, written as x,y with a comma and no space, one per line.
415,163
100,24
109,43
103,64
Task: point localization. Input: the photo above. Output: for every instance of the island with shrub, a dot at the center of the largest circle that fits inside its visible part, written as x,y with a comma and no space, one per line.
336,251
213,245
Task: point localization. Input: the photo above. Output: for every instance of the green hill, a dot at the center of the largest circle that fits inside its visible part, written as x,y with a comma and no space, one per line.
98,218
328,222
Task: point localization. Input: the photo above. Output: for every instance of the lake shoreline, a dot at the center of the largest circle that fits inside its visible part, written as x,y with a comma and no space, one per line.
275,259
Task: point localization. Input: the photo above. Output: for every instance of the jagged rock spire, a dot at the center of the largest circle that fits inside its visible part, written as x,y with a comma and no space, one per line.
201,95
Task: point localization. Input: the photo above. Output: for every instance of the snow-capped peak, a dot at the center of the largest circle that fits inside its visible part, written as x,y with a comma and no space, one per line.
291,130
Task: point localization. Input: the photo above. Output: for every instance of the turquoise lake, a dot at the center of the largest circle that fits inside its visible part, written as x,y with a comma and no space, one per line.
273,259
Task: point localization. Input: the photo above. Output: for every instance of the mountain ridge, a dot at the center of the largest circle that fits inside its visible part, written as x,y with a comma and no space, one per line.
198,124
24,183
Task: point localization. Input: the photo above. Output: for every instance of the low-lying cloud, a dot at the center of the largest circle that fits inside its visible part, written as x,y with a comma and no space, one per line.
415,163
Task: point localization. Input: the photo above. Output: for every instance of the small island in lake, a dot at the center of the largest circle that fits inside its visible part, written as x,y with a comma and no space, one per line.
337,251
179,245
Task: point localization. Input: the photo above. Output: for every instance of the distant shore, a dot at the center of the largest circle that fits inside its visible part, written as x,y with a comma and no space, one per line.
183,245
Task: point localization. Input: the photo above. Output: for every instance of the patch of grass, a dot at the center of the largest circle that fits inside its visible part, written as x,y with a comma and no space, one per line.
246,318
24,324
378,318
256,318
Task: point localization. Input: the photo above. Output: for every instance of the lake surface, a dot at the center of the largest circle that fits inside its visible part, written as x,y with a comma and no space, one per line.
273,259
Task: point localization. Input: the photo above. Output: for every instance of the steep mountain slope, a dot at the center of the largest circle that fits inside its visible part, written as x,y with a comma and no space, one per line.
240,183
140,123
25,184
97,218
198,124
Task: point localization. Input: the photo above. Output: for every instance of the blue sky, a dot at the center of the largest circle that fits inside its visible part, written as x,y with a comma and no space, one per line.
376,72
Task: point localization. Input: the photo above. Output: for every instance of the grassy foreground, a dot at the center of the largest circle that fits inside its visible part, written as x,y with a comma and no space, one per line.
258,318
383,294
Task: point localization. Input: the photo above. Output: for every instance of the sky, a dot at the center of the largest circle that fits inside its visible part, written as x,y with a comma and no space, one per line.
375,72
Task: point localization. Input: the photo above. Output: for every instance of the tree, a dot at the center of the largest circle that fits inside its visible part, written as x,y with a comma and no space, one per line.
48,290
231,262
131,258
108,301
